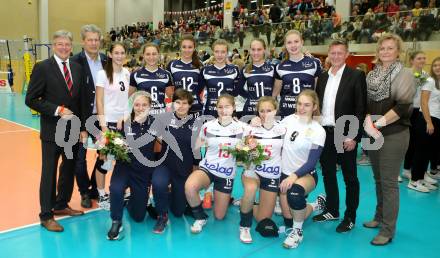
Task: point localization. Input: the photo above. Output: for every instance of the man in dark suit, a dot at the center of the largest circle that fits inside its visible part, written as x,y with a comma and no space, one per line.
91,62
342,91
55,90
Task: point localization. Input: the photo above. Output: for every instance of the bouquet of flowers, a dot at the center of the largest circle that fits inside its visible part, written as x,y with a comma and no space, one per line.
248,152
112,145
421,78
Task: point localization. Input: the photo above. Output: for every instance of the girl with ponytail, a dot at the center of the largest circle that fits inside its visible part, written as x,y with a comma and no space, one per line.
186,71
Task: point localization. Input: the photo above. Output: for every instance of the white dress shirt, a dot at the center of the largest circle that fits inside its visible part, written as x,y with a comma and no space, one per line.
61,66
329,100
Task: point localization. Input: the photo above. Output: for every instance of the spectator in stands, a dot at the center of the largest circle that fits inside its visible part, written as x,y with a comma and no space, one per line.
392,8
425,25
417,10
275,13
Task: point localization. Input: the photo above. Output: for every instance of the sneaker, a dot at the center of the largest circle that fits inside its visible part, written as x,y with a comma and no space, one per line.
85,201
104,202
324,216
245,235
430,187
236,202
406,174
321,201
345,226
429,179
113,233
294,238
197,226
277,209
161,224
399,179
434,174
418,186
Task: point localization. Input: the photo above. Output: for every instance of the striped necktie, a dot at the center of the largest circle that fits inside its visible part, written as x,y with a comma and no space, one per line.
67,77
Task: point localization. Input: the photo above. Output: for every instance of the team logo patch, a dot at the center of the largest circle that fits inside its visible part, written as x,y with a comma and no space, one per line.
161,75
307,65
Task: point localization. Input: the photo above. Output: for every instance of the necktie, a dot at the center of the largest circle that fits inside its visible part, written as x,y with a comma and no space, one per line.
67,77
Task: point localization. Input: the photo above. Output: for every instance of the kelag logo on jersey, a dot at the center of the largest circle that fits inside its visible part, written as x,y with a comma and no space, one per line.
268,170
216,167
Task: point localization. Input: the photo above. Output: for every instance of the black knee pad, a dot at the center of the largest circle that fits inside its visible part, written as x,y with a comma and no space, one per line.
296,197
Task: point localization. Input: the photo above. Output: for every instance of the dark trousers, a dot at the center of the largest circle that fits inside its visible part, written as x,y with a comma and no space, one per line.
426,150
123,177
85,184
163,198
55,195
409,156
329,158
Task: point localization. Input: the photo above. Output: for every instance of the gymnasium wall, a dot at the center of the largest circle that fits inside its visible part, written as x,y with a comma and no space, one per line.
130,11
71,15
18,18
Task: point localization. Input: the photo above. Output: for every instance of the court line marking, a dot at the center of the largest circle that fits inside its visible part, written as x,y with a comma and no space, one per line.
36,223
10,121
16,131
39,223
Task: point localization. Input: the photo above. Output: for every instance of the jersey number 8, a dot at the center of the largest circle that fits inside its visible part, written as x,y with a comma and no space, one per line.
296,86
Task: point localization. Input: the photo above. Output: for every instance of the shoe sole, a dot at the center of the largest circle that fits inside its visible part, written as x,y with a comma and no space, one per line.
417,190
119,237
382,244
326,220
246,242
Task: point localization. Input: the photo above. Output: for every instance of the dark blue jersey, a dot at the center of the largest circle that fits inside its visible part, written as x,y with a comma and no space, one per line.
187,77
177,145
154,82
145,145
256,83
296,76
218,81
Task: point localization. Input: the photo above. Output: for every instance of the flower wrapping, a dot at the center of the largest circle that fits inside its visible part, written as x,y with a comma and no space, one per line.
247,152
112,143
421,78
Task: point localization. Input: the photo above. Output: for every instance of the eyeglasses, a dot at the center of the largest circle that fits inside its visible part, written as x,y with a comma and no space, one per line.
293,136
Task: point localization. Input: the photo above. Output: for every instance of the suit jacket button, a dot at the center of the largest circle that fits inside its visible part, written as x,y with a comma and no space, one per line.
93,92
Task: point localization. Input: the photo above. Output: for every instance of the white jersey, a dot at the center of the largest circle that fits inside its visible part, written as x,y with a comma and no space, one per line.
295,153
272,141
115,94
218,161
434,98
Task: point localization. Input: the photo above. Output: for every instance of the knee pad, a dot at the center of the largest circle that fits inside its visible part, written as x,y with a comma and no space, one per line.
296,197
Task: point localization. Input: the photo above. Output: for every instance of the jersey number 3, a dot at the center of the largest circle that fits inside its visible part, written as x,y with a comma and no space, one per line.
122,86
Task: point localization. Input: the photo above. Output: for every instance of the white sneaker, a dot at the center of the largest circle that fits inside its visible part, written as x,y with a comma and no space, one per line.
294,238
429,179
245,235
399,179
406,174
277,209
104,202
197,226
418,186
434,174
430,187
